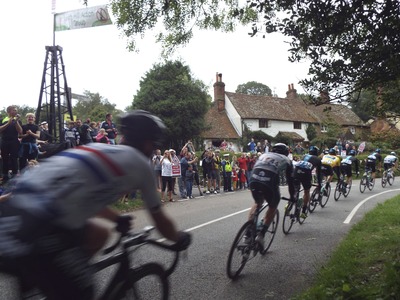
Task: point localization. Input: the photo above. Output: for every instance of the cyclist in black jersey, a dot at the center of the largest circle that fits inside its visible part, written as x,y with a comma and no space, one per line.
303,174
264,182
347,164
372,161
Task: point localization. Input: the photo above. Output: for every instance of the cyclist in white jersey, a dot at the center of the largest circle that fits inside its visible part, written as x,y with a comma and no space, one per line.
46,230
390,161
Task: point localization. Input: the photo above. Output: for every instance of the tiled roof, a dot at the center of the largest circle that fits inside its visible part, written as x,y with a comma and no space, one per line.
341,114
292,135
256,107
219,125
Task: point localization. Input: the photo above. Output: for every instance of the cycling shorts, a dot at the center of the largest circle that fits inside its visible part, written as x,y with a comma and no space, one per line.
371,165
387,166
326,170
264,186
303,176
346,170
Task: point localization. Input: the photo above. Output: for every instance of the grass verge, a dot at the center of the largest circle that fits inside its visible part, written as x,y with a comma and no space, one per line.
366,265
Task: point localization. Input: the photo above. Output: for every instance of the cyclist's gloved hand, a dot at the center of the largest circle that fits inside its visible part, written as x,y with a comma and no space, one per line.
184,241
124,224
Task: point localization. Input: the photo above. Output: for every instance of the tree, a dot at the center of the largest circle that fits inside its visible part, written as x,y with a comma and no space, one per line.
169,91
311,132
352,45
254,88
94,107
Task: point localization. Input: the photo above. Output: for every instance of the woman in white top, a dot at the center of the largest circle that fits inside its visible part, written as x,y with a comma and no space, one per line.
166,175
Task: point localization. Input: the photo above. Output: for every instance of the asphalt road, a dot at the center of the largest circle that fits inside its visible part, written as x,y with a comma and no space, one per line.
288,268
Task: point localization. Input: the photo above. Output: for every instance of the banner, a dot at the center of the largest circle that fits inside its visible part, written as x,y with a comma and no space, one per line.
361,147
82,18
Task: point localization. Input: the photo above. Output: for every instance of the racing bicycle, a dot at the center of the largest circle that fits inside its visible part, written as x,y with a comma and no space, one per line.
367,181
319,196
245,246
387,177
292,213
146,281
342,188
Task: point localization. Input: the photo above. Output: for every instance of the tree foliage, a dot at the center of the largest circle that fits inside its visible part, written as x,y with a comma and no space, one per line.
94,107
352,45
254,88
169,91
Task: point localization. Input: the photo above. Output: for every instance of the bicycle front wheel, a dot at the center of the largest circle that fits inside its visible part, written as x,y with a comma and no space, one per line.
289,217
338,191
312,204
363,184
270,234
325,196
148,281
240,250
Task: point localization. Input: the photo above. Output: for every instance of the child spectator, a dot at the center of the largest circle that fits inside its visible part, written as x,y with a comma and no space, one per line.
234,178
243,180
102,136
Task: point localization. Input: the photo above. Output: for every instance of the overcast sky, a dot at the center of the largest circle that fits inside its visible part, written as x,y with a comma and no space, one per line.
96,59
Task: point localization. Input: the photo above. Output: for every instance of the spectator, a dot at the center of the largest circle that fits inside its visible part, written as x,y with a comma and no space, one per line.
252,145
102,137
28,148
176,173
235,177
84,132
189,176
242,162
110,128
299,150
203,156
185,161
93,130
258,147
157,167
10,129
196,174
71,135
266,146
166,175
217,167
44,132
227,173
209,165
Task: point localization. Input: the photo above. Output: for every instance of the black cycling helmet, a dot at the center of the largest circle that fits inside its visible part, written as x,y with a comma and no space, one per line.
138,126
332,151
352,152
313,150
378,150
280,148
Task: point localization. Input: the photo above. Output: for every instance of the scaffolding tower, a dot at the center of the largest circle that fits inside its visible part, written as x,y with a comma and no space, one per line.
55,95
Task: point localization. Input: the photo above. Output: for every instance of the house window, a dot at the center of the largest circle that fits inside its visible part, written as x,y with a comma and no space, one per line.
324,128
264,123
353,130
297,125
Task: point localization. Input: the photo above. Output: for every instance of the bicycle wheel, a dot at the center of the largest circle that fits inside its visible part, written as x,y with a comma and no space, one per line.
325,197
148,281
348,188
384,178
240,251
363,184
289,217
312,204
270,234
338,191
390,178
371,184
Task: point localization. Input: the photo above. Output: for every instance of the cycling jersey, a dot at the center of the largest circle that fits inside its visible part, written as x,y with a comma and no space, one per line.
389,161
67,189
303,170
264,179
331,160
371,161
347,163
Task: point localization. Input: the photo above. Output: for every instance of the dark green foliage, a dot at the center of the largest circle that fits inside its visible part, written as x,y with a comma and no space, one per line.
311,132
254,88
169,91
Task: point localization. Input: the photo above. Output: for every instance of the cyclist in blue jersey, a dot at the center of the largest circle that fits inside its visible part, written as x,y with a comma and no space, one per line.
347,164
372,161
303,174
47,230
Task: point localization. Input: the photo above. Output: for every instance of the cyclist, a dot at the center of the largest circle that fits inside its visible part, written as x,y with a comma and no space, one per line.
372,159
47,230
330,164
346,166
390,161
303,174
264,183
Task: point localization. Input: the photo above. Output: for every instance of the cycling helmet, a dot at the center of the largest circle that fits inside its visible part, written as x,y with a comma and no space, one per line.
393,153
281,148
378,150
313,150
332,151
326,151
139,125
352,152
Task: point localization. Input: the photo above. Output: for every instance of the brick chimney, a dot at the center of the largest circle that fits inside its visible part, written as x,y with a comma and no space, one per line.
324,96
291,93
219,92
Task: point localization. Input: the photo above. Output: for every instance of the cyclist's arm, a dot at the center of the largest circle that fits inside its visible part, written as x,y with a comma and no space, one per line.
109,214
319,173
289,178
164,224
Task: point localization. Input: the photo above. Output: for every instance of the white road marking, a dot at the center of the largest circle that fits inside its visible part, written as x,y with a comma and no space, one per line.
353,212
